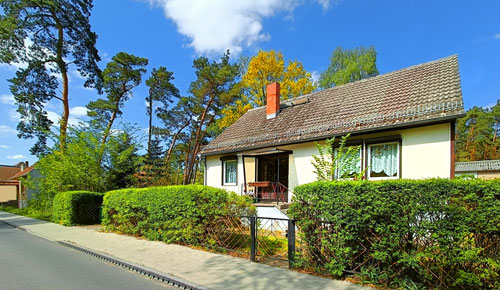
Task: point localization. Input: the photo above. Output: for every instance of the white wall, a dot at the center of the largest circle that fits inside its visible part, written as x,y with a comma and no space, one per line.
425,153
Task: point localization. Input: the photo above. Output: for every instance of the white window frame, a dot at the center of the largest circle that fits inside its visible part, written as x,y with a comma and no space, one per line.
368,162
224,172
335,150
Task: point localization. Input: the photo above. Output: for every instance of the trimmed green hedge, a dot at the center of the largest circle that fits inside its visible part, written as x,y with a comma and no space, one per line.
76,207
435,233
174,214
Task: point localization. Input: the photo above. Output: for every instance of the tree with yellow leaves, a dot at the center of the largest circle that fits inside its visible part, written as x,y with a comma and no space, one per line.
265,68
268,67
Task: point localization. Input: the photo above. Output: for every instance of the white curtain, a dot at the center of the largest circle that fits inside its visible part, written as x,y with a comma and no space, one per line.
230,171
384,159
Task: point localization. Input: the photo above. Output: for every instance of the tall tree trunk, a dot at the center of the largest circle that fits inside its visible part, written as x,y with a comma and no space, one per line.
170,149
197,138
107,131
186,161
65,115
198,145
61,64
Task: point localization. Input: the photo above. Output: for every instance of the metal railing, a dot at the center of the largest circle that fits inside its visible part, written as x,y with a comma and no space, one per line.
278,192
263,239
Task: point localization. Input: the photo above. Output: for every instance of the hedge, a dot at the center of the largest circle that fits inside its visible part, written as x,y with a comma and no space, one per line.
76,207
174,214
435,233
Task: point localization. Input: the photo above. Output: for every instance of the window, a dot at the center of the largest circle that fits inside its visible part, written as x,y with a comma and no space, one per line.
383,161
348,165
229,172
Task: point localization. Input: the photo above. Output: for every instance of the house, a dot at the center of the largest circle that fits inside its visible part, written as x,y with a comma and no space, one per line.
485,169
403,121
12,191
9,189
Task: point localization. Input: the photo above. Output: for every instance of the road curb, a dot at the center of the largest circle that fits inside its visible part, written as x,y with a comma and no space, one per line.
168,279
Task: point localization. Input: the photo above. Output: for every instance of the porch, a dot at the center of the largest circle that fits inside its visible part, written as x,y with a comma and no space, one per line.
268,184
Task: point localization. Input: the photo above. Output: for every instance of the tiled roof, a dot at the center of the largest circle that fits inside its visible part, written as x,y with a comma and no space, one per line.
24,172
475,166
7,172
419,94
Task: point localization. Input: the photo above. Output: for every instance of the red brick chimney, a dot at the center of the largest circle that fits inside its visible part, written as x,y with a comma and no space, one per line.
273,100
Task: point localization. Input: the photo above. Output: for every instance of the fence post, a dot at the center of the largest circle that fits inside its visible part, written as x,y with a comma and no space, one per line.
291,242
253,237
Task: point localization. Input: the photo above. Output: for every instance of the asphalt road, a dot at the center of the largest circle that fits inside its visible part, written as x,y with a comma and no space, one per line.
29,262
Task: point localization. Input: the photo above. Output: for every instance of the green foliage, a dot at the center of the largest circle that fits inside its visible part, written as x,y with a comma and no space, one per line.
337,162
174,214
212,91
348,66
29,212
437,233
49,37
73,169
477,134
76,168
121,160
161,89
76,207
121,75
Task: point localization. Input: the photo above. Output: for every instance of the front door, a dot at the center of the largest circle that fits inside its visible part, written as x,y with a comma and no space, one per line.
269,168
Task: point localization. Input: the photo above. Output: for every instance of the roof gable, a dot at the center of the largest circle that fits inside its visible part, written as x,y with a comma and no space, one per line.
421,93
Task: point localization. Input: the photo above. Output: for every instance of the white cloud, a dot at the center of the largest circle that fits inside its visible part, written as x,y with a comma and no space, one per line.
7,99
214,26
17,156
497,36
78,111
4,146
75,116
6,130
53,117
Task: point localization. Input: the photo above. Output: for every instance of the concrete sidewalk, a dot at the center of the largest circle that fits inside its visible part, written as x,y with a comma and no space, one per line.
211,270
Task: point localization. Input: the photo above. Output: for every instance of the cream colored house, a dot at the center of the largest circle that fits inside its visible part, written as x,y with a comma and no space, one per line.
403,121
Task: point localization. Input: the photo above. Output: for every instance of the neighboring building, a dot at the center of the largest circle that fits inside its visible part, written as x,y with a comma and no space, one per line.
9,189
404,122
12,191
485,169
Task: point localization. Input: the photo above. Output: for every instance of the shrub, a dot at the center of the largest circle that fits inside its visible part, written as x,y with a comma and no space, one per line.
76,207
435,233
174,214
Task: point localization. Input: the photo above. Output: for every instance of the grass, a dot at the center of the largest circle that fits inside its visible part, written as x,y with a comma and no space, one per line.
29,212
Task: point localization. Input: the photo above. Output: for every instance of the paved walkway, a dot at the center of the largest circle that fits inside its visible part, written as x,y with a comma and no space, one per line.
211,270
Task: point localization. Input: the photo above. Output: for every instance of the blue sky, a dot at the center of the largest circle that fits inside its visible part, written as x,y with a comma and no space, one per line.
173,33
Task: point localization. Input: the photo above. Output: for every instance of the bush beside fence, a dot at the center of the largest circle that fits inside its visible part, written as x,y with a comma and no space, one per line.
434,233
76,207
174,214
